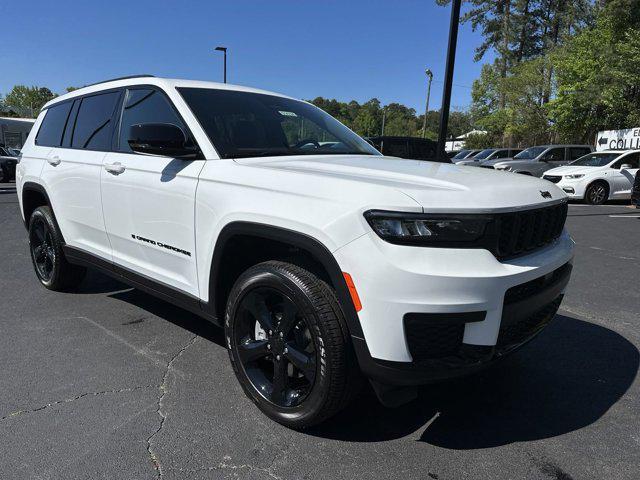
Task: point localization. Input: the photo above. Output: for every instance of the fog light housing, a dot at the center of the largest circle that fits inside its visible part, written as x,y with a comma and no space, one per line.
568,189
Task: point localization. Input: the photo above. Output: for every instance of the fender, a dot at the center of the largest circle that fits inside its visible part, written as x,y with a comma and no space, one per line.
33,187
300,240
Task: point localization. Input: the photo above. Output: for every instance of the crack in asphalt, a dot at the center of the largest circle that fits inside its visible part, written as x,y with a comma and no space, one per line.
164,389
73,399
226,465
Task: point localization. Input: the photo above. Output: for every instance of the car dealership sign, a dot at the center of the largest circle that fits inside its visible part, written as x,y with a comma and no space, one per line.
618,139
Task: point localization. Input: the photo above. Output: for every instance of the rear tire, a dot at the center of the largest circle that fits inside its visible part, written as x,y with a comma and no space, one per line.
45,244
597,193
289,344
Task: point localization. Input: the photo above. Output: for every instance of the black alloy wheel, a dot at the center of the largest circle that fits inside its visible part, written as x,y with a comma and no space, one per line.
289,344
275,346
42,250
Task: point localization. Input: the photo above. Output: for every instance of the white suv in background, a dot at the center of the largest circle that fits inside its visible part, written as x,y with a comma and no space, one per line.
324,261
598,177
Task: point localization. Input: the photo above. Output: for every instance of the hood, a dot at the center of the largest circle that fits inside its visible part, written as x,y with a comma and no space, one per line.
571,169
435,186
468,162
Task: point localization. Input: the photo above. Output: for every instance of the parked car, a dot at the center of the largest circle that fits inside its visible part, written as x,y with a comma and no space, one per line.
8,162
490,154
537,160
323,264
464,154
452,153
406,147
598,176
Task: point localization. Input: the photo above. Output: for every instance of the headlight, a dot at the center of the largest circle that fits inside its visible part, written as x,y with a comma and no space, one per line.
577,175
427,229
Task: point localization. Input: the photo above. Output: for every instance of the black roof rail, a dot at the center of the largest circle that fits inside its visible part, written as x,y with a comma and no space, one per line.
119,78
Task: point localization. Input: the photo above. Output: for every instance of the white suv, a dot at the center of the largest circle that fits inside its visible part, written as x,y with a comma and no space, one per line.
599,176
325,261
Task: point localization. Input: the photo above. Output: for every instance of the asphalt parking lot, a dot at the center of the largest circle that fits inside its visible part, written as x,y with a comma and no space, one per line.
112,383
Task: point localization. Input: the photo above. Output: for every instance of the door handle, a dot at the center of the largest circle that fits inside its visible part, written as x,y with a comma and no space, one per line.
115,168
54,161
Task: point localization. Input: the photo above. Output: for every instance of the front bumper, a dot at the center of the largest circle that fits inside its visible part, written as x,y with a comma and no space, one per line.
431,313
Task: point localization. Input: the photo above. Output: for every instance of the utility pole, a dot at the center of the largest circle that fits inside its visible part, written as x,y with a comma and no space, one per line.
429,74
224,50
448,77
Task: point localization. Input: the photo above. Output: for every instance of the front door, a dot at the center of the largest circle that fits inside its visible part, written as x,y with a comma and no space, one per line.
149,200
623,179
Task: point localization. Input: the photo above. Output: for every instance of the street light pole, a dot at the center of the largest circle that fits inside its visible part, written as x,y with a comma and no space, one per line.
448,77
429,74
224,50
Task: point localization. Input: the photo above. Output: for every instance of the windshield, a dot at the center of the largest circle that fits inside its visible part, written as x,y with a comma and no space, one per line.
461,154
530,153
484,154
246,124
595,160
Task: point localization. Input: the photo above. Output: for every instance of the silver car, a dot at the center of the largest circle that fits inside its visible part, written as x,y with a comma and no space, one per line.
537,160
490,154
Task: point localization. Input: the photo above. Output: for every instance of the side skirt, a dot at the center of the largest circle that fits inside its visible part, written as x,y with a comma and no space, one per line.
142,282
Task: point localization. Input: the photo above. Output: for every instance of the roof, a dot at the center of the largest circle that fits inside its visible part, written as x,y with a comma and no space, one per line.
165,83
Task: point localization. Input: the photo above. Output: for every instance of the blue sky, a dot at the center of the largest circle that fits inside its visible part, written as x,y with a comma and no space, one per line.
348,49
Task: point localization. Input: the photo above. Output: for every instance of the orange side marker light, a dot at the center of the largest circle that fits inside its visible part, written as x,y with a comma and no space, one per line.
352,291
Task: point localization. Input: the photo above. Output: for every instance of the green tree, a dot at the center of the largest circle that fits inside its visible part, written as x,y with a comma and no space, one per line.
28,100
598,76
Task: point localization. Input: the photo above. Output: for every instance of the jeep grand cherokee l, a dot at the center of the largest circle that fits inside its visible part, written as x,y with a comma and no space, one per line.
324,261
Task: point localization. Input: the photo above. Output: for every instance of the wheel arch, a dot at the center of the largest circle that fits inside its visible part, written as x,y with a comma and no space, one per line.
242,244
33,196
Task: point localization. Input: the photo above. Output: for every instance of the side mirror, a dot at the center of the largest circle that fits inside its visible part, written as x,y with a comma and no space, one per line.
625,166
163,139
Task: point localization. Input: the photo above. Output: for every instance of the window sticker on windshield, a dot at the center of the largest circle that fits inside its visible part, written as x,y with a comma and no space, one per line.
287,114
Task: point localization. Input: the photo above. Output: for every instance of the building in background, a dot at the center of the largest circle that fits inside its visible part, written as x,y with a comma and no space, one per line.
458,142
14,131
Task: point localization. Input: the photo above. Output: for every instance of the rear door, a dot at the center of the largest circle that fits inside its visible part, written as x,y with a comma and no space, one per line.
71,173
149,200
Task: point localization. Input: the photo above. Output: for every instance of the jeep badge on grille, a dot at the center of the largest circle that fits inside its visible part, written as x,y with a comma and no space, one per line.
545,194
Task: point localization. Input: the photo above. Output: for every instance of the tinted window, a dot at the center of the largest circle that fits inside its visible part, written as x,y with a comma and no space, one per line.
94,124
554,155
245,124
145,106
501,154
50,133
68,132
575,153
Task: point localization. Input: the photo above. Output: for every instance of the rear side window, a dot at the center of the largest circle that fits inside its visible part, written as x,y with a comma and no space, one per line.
575,153
501,154
145,106
50,133
94,123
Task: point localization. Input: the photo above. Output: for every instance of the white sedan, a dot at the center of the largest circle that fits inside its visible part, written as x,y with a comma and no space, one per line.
598,176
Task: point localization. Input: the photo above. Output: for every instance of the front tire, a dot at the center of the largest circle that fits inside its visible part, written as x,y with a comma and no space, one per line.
597,193
289,344
45,244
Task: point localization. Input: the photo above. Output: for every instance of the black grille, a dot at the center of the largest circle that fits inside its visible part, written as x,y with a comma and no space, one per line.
487,166
427,340
552,178
522,232
515,333
537,285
